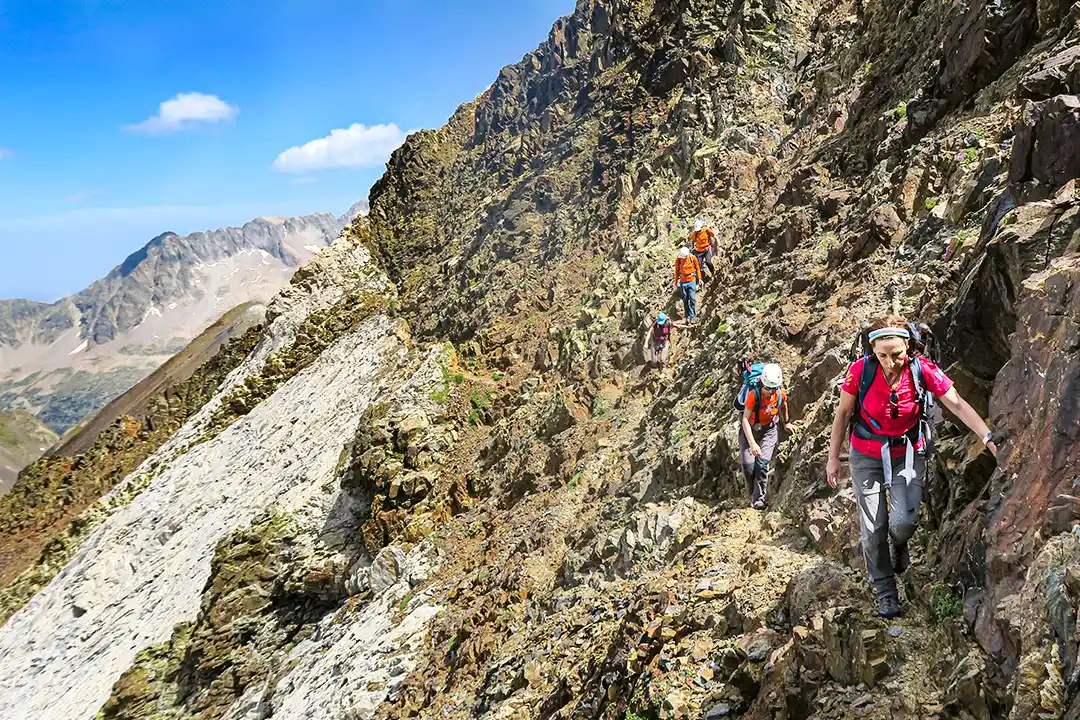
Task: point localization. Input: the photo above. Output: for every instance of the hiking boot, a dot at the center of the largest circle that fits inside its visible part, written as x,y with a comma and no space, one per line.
888,606
758,505
901,558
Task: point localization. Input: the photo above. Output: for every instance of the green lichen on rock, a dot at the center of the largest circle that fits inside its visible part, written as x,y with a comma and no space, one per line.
265,594
148,688
318,332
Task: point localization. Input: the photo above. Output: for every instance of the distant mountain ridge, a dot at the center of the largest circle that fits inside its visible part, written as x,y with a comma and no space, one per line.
63,360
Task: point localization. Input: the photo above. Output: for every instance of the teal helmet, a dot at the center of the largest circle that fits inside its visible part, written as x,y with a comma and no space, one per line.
661,318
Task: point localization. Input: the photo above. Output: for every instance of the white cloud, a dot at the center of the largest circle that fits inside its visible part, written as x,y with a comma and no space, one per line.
355,146
83,195
184,112
303,180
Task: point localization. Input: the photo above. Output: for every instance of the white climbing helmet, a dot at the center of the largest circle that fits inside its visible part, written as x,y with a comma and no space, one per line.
772,376
699,225
684,252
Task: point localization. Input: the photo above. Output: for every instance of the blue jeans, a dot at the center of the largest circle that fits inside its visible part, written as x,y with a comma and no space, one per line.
688,302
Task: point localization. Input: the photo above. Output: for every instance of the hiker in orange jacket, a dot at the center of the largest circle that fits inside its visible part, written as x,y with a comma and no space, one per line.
687,276
703,243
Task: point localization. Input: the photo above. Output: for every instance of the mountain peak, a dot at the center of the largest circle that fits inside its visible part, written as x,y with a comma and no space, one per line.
100,341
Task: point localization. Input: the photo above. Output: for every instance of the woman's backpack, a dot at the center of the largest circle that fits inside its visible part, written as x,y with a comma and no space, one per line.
921,344
751,380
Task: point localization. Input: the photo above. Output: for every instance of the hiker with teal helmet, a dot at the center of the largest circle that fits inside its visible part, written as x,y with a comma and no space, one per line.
763,401
660,336
884,408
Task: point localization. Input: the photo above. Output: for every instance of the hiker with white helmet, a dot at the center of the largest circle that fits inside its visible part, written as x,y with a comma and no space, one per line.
687,276
764,406
703,243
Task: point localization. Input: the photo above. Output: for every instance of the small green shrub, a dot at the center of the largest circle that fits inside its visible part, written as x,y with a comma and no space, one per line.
945,604
481,399
931,203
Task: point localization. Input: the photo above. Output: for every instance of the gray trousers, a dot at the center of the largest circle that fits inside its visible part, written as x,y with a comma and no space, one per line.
756,470
705,258
660,353
885,516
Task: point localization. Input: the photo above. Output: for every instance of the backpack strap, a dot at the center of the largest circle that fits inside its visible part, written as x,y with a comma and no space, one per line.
866,427
758,390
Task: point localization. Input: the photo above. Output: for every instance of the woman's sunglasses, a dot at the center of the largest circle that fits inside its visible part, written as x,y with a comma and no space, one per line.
894,404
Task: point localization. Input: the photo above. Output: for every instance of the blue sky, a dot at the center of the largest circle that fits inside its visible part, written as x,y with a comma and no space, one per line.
121,120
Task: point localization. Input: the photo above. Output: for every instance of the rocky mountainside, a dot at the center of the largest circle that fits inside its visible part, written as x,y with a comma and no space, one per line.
439,482
23,439
65,360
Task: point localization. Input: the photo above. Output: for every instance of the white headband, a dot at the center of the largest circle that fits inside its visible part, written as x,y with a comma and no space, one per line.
888,332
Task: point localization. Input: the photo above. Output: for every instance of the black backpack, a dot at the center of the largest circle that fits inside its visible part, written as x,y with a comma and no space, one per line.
865,427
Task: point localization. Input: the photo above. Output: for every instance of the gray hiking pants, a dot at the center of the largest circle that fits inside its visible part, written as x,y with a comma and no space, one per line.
756,470
705,258
885,516
660,353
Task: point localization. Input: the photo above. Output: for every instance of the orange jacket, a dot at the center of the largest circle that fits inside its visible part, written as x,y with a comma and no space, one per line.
687,270
703,239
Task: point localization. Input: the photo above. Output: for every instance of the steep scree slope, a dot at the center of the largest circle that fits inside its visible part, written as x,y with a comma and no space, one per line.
528,523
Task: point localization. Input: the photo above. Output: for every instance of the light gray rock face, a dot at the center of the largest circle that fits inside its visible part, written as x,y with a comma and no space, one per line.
143,571
349,667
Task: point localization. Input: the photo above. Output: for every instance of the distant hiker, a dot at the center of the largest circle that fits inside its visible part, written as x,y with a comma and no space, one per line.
884,403
660,337
764,406
687,276
703,242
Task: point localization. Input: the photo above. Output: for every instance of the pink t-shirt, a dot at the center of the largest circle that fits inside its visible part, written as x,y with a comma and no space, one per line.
877,404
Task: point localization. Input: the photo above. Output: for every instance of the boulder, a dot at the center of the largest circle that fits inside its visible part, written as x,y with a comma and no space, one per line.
387,569
832,201
1036,401
855,648
1047,145
1058,75
984,313
796,229
883,228
816,588
805,184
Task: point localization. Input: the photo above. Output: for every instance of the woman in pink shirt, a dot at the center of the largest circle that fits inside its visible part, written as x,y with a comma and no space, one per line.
888,447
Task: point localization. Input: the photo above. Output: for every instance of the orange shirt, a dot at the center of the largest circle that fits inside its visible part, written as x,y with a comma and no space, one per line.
687,270
770,410
703,239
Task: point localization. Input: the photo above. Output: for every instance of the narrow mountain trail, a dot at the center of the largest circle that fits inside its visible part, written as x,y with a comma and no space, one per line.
508,516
